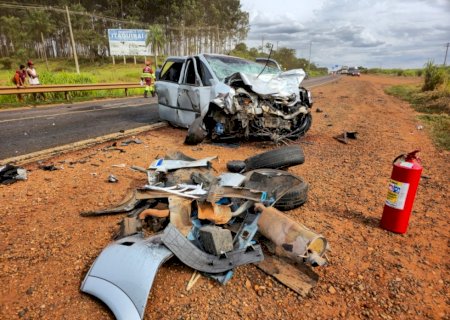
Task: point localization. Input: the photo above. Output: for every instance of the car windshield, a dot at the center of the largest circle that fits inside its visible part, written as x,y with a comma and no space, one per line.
224,66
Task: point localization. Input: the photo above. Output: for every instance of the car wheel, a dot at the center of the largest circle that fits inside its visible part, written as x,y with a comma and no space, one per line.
295,197
305,124
196,132
276,159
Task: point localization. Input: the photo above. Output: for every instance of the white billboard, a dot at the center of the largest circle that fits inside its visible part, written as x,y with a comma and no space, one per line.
128,42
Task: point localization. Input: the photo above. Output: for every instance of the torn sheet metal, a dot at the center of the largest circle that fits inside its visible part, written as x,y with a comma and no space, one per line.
10,174
229,179
123,274
217,192
181,190
199,260
129,203
162,165
283,84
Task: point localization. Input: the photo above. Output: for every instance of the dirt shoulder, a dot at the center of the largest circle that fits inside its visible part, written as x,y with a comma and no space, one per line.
47,248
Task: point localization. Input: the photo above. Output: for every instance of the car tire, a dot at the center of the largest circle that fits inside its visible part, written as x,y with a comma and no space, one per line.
295,197
236,166
305,124
276,159
196,132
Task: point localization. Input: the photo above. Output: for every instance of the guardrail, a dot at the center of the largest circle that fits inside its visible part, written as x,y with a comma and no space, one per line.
66,88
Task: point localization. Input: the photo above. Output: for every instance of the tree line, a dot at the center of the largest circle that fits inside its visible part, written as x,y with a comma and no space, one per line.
177,27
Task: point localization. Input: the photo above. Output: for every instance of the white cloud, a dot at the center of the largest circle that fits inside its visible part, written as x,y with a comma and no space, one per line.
373,33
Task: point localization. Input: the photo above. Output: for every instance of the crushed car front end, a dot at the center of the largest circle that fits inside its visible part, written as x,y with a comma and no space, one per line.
233,98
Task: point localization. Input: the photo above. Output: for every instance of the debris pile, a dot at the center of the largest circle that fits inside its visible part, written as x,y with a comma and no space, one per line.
211,223
10,174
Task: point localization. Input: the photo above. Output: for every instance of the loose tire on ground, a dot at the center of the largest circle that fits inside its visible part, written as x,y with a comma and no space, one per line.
276,159
295,197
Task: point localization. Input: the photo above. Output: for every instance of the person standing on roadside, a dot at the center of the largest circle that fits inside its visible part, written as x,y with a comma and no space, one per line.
33,77
19,79
148,78
20,76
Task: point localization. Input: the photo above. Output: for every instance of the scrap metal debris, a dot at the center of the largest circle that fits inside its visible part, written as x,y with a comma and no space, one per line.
213,224
49,167
10,174
112,179
129,141
343,137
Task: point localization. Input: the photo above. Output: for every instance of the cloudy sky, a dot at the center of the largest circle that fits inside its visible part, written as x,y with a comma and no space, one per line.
370,33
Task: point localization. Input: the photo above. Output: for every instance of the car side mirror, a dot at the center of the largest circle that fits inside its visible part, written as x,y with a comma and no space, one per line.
157,73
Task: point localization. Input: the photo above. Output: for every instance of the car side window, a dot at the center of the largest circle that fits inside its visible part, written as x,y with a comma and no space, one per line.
171,71
204,73
189,75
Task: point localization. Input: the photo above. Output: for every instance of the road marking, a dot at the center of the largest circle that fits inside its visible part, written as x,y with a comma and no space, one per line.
72,112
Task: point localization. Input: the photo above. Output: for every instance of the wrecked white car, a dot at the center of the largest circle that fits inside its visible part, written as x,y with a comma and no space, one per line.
226,97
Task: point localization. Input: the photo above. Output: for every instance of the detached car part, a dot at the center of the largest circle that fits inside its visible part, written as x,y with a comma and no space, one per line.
199,260
273,159
123,274
291,238
292,188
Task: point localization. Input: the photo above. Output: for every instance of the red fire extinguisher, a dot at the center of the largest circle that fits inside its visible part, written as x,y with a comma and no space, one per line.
401,193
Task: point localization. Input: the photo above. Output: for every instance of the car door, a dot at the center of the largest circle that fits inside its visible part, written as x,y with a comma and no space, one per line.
167,89
194,92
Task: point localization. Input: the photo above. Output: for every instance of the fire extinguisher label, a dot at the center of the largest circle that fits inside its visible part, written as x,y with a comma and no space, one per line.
397,193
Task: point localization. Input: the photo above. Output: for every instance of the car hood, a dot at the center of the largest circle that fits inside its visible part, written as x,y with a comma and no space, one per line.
282,84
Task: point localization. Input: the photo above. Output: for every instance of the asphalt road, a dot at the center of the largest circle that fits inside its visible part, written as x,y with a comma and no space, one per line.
29,130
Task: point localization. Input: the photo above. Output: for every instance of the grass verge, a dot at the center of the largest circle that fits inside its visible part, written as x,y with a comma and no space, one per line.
434,107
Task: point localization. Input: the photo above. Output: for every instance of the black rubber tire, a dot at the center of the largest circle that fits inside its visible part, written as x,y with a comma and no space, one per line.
236,166
306,124
295,197
276,159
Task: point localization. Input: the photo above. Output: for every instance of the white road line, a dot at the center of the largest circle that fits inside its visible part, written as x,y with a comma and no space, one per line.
71,112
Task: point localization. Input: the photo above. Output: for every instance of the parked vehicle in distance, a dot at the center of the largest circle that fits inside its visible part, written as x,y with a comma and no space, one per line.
226,97
354,72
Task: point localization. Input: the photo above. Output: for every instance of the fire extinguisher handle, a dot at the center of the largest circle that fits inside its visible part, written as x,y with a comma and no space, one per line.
409,157
399,157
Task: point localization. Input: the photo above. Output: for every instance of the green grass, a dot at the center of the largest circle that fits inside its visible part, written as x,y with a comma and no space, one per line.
395,72
434,106
62,71
439,128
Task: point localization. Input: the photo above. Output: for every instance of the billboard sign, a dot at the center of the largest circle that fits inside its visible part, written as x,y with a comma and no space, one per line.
127,42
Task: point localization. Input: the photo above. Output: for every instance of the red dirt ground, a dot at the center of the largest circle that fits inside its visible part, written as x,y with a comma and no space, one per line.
46,248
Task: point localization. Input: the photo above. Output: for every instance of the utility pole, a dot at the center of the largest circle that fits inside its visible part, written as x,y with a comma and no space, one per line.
446,51
73,42
309,59
262,43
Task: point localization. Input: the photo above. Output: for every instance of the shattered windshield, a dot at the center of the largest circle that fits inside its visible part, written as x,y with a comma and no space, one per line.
224,66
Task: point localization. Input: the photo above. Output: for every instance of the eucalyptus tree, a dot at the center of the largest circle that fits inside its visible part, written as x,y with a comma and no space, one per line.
156,39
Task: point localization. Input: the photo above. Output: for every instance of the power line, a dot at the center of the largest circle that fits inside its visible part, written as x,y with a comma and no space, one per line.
56,9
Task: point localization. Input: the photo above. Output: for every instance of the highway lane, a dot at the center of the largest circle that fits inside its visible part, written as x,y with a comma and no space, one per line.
29,130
